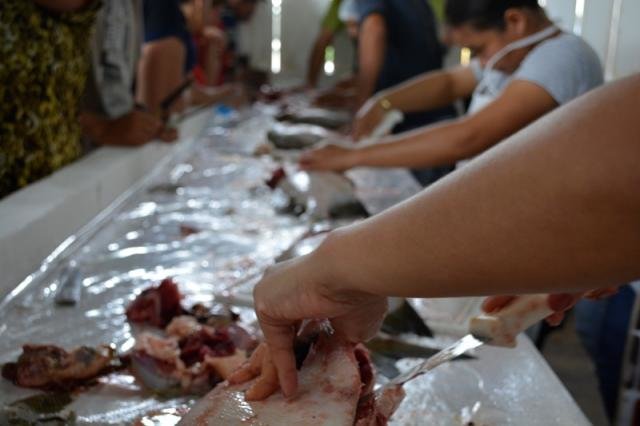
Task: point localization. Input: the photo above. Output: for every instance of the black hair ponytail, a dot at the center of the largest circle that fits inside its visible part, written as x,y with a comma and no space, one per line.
483,14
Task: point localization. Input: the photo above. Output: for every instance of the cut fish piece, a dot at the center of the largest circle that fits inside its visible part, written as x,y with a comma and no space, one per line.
329,388
335,388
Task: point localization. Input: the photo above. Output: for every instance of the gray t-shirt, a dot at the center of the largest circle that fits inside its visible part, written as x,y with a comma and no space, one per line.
115,49
565,66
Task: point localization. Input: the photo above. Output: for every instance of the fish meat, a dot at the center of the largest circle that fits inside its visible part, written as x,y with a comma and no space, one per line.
329,118
335,387
296,136
50,367
192,358
156,305
322,195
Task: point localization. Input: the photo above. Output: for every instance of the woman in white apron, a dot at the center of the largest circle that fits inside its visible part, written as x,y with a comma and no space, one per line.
523,67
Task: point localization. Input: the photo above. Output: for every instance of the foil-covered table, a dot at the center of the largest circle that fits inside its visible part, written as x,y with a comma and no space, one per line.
215,188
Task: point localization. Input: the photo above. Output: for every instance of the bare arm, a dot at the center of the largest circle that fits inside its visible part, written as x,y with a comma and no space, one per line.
465,137
372,50
425,92
450,141
432,90
554,208
316,59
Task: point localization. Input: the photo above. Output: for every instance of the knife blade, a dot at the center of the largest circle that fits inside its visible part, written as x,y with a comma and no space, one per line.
498,329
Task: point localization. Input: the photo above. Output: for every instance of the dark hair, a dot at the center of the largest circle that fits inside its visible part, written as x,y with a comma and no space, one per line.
483,14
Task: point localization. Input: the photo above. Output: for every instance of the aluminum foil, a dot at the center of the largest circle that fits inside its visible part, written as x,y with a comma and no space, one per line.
211,191
205,218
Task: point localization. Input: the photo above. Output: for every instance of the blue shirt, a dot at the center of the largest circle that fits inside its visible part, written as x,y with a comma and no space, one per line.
413,46
163,19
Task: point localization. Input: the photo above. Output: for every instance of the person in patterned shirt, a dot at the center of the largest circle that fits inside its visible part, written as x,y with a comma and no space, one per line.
44,66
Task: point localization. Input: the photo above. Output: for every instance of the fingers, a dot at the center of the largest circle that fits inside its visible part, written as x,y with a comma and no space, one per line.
495,303
564,301
560,303
601,293
267,383
251,368
260,365
555,319
280,341
557,302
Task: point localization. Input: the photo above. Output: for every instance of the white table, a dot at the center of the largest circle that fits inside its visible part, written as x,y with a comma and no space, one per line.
512,386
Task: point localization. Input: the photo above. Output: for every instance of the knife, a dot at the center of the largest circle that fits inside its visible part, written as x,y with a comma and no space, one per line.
497,329
167,102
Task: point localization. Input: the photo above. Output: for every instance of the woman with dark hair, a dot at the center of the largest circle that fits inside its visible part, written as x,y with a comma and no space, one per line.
523,67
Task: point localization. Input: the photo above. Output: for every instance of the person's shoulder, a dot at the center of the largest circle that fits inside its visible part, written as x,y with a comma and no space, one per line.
568,48
566,53
565,66
368,7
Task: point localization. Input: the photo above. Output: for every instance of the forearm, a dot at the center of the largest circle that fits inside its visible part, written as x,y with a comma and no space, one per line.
316,59
371,52
554,208
435,145
425,92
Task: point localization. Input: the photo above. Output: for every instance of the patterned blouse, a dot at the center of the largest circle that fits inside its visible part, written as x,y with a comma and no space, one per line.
43,68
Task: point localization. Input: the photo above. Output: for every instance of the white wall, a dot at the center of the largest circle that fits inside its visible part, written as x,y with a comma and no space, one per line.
255,37
301,21
612,27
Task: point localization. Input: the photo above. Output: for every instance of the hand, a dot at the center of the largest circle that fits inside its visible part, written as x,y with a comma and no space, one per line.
168,134
132,129
330,158
294,291
260,365
560,303
367,118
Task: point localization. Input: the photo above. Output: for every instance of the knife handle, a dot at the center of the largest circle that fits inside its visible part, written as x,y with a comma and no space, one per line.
502,327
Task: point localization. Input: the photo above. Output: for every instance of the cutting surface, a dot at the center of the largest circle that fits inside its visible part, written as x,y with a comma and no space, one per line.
214,186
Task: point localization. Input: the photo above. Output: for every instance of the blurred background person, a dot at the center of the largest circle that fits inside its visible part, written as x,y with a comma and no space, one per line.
523,67
109,115
343,94
169,56
398,40
330,26
209,39
44,52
